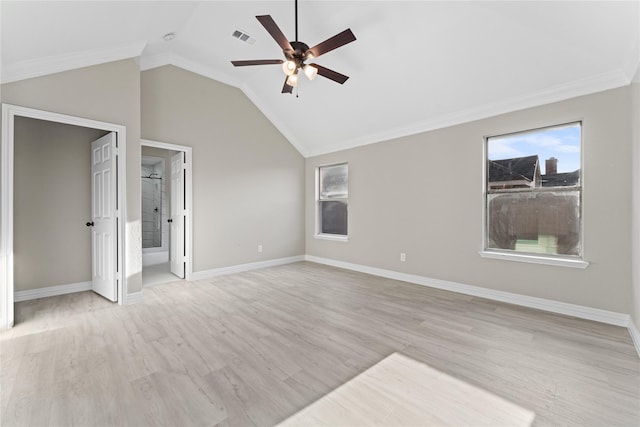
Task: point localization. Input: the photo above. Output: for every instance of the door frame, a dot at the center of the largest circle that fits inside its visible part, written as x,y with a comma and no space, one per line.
188,232
9,113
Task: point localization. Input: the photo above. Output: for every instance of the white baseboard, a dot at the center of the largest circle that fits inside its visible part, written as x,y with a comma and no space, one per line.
635,335
133,298
603,316
51,291
206,274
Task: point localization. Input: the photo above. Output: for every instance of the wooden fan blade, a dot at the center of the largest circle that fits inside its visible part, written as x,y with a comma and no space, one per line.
286,88
257,62
333,43
272,28
330,74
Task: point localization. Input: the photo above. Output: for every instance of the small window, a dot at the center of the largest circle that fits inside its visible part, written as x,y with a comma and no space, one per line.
332,199
534,192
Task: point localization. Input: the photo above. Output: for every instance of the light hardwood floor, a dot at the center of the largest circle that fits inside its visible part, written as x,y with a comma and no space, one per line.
305,344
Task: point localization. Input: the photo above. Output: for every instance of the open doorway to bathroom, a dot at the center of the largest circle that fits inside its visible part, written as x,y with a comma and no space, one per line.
166,220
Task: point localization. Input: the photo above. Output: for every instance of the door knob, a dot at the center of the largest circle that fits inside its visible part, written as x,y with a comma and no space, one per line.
90,224
170,220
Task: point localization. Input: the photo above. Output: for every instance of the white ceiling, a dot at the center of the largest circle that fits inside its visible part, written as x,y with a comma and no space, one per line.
415,65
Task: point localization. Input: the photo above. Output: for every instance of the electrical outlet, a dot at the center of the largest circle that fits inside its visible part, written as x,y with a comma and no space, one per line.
403,256
259,248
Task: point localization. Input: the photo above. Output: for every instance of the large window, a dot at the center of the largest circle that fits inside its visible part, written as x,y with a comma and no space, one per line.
533,192
332,199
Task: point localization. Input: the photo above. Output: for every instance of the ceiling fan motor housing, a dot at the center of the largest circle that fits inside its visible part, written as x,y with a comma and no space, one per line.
297,55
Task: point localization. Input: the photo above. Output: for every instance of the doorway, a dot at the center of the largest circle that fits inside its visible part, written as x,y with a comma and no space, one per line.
116,268
165,174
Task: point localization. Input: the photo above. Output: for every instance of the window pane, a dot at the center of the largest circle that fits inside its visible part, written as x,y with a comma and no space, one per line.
333,217
548,157
334,181
535,222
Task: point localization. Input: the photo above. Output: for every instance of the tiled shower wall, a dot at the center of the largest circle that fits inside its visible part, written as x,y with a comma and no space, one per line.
155,229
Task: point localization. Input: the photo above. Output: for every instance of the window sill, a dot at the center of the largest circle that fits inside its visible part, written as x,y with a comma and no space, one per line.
536,259
334,237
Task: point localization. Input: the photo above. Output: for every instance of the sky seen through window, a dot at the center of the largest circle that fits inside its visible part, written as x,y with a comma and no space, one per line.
561,142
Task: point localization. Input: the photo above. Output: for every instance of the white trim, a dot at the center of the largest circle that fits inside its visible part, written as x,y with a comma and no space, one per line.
635,335
9,112
162,59
188,151
523,257
133,298
562,92
206,274
282,125
51,291
596,314
149,62
333,237
536,259
168,58
632,62
6,221
592,84
70,61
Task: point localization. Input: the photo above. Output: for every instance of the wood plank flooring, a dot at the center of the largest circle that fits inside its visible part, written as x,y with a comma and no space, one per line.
305,344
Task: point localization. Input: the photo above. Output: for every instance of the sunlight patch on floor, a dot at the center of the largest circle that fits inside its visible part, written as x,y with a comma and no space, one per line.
399,390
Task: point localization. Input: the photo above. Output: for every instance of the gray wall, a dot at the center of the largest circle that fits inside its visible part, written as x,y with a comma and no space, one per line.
248,181
52,203
422,195
109,93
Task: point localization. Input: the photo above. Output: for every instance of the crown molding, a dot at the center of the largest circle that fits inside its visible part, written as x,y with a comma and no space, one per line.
586,86
632,62
167,58
54,64
149,62
275,121
170,58
573,89
601,82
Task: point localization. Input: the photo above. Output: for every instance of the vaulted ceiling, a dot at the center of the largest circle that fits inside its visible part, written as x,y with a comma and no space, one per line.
415,65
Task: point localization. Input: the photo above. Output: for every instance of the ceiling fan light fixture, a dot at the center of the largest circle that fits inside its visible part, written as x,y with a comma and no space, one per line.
296,53
289,67
293,80
310,71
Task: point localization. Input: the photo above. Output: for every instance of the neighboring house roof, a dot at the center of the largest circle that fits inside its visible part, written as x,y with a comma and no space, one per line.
519,168
565,179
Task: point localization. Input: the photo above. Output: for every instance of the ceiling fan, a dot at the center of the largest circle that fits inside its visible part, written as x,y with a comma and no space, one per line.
297,52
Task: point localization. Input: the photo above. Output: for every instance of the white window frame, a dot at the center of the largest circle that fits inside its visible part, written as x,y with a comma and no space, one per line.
555,260
318,227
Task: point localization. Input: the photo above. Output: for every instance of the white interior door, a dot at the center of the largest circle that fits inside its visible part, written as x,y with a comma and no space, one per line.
103,216
178,215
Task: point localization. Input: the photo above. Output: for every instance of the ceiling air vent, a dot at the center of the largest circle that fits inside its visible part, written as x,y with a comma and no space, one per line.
241,35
